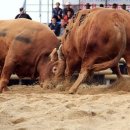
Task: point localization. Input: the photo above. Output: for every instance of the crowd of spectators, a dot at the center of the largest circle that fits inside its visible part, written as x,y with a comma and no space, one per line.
23,14
61,17
114,6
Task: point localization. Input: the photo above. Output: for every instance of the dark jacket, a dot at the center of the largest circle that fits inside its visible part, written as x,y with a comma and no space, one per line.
66,10
56,28
23,15
57,12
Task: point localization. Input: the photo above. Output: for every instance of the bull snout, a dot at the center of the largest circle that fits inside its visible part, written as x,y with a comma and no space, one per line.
47,85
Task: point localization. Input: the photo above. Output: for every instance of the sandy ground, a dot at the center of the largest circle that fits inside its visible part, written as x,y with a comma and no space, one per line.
91,108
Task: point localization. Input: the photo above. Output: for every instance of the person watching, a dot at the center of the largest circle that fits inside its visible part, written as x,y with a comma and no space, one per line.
87,6
57,12
101,5
54,26
23,14
123,6
115,6
67,17
68,8
62,27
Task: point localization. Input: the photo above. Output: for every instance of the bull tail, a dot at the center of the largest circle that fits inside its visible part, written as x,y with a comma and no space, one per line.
113,62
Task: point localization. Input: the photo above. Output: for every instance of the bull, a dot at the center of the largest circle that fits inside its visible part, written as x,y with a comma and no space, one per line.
25,47
94,40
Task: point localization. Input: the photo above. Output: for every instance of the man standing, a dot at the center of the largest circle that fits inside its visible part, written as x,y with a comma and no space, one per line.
123,6
57,12
23,14
87,6
115,6
68,8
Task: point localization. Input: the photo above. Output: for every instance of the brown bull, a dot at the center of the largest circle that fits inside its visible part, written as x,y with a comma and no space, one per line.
95,40
25,47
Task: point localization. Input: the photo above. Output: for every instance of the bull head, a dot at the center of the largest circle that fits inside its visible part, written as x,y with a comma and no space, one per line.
59,66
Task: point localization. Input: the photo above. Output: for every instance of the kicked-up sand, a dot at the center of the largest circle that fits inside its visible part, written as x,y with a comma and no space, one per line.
91,108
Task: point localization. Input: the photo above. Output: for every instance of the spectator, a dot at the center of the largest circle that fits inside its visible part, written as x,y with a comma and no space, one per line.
123,6
101,5
54,26
114,6
68,8
23,14
62,27
87,6
57,12
68,16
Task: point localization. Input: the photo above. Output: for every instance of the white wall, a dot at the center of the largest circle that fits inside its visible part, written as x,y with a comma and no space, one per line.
41,13
9,8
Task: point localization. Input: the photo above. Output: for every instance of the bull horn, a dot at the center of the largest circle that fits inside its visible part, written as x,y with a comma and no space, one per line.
60,54
52,54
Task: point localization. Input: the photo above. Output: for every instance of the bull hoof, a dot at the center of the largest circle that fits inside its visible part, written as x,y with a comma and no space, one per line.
71,91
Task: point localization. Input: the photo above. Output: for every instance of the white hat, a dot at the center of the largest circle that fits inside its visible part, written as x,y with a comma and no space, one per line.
67,3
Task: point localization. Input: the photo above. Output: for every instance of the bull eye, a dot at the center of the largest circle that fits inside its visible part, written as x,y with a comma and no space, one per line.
54,69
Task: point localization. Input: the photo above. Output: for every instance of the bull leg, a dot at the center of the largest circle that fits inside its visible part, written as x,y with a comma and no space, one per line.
68,76
116,70
71,66
84,73
68,72
64,83
5,76
80,79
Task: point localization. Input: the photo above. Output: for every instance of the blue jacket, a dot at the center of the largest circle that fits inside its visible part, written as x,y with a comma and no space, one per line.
56,28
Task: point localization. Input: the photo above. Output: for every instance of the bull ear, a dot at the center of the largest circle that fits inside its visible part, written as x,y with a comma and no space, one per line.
54,56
